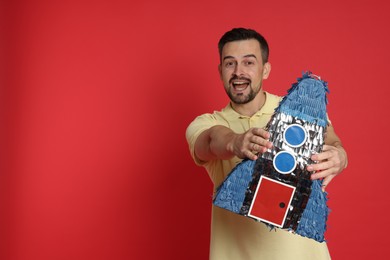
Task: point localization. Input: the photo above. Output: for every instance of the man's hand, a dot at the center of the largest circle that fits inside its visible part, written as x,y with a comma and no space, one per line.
220,142
250,144
332,161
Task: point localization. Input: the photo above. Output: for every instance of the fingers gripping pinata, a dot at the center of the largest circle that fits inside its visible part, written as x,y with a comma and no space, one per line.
276,188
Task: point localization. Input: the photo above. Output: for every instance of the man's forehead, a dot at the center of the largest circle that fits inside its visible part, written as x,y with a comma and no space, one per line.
241,49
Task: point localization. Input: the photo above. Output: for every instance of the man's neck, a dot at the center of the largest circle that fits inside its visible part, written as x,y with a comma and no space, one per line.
251,108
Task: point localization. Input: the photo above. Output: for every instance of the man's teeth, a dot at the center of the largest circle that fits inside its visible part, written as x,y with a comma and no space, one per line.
240,85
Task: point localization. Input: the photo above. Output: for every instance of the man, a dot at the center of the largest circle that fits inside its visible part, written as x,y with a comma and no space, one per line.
220,140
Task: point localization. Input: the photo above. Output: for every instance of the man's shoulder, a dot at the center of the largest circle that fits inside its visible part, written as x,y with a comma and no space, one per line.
218,115
207,120
272,98
271,102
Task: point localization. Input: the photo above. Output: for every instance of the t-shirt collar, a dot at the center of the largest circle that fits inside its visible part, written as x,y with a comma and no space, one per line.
267,108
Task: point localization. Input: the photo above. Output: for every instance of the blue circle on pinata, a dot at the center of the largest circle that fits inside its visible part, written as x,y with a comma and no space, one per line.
284,162
295,135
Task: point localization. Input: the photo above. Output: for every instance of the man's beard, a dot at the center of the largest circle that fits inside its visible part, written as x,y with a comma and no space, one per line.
241,98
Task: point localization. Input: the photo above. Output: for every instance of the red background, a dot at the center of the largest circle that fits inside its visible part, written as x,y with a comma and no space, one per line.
95,98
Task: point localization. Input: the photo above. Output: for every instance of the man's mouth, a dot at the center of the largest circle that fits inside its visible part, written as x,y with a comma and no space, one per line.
240,85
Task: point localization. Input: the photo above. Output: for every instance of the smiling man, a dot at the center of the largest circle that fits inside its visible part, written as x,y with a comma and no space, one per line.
219,141
239,70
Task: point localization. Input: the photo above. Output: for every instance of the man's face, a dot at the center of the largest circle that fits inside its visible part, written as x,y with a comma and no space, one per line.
242,70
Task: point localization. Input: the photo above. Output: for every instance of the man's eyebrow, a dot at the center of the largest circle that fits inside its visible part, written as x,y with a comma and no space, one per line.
250,55
228,57
245,56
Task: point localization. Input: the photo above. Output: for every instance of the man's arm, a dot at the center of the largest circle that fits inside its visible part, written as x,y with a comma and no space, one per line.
332,161
220,142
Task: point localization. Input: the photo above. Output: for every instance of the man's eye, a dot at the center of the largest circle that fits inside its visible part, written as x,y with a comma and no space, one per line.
249,63
229,64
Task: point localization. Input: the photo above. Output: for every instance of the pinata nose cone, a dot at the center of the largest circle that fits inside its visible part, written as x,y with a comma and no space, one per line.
306,100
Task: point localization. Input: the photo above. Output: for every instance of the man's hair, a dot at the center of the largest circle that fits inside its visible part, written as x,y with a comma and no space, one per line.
238,34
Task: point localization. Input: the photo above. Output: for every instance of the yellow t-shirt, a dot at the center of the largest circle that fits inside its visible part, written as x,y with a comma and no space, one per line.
234,236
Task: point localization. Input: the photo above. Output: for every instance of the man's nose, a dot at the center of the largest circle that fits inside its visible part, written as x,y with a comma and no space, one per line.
238,70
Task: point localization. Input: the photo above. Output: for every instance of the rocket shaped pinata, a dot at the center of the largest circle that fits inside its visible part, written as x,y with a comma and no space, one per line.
276,188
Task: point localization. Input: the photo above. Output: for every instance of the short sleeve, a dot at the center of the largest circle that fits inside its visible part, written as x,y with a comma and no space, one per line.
200,124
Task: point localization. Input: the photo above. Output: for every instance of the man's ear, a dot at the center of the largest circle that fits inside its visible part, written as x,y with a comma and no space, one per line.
220,70
266,70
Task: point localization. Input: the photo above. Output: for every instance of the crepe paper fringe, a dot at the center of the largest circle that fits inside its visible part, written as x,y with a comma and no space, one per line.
306,99
313,220
231,193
